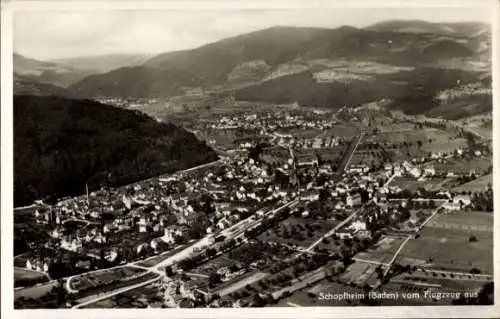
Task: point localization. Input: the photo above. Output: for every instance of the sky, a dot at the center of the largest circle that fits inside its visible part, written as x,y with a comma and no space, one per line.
48,35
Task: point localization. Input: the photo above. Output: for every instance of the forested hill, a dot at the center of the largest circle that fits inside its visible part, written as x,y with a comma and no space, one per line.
60,144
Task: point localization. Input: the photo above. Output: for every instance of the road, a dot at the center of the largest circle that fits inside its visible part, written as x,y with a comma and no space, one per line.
366,261
483,276
337,227
430,217
349,154
396,255
389,265
301,282
233,232
345,163
328,234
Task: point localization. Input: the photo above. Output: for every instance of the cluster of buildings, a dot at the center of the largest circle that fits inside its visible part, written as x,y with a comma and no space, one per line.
126,102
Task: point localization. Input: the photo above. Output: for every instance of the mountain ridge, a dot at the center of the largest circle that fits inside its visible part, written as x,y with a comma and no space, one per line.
213,63
61,144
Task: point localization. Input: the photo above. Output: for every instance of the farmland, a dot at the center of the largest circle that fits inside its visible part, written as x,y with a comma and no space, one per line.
445,243
417,217
299,132
240,283
103,277
342,130
135,298
411,184
477,185
24,277
463,165
382,251
360,274
433,140
35,291
422,283
293,232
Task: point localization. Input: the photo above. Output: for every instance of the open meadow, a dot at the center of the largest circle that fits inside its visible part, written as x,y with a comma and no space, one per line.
457,241
383,251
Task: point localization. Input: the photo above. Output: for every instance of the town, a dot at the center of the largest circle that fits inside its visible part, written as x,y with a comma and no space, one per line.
302,202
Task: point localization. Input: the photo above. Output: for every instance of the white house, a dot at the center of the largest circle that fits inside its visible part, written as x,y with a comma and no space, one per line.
451,206
358,225
465,200
168,235
142,225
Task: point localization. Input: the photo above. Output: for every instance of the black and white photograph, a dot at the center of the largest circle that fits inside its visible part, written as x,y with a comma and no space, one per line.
260,157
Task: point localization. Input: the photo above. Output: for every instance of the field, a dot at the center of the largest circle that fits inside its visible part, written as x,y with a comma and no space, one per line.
136,298
478,185
149,262
312,296
99,278
213,265
240,283
297,231
419,282
24,277
441,141
275,155
396,127
479,165
381,252
444,243
417,217
35,291
360,274
431,184
331,153
342,131
373,158
300,132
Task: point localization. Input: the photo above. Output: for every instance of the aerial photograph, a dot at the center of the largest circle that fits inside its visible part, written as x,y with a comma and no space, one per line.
252,158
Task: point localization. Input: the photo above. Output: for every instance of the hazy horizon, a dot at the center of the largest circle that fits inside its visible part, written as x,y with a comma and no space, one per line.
50,35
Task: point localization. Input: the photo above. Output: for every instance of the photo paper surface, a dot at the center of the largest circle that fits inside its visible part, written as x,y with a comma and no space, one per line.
198,158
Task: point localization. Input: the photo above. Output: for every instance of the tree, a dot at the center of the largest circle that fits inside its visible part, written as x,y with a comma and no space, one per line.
169,271
258,301
472,239
214,279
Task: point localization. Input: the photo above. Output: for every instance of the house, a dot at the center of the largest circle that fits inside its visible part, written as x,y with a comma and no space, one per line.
111,255
463,200
310,196
346,233
353,200
142,225
76,244
56,233
29,265
358,225
429,171
223,223
451,206
85,264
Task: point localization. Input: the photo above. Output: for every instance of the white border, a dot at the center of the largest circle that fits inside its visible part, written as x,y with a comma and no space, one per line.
308,312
